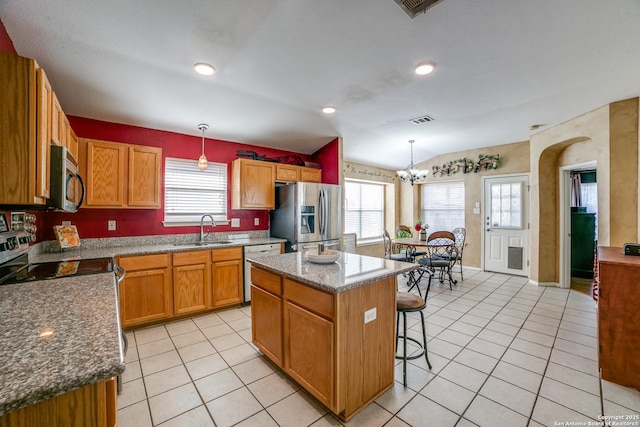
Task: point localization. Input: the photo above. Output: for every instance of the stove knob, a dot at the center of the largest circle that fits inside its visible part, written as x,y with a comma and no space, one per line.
3,247
11,244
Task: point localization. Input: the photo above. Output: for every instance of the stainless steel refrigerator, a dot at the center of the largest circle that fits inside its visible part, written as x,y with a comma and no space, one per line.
306,214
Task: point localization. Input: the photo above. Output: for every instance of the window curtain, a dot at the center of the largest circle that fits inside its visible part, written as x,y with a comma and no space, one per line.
576,196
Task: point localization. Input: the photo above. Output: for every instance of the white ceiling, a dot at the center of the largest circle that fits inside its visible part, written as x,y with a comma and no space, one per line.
502,65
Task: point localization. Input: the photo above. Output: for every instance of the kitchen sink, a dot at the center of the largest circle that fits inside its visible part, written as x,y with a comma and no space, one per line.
209,243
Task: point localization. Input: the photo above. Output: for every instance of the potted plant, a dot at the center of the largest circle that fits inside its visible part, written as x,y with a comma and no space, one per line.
421,228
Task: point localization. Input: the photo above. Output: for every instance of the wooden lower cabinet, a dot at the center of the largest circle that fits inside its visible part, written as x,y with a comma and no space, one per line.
191,282
326,346
309,352
618,320
267,333
145,293
92,405
226,276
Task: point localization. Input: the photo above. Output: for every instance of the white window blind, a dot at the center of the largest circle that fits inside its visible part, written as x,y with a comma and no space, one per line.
364,210
443,205
190,193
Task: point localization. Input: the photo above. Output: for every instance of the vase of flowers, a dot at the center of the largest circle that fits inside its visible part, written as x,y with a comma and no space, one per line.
421,228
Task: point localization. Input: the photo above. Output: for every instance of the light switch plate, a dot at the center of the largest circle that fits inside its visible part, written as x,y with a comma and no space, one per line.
256,221
235,222
370,315
111,225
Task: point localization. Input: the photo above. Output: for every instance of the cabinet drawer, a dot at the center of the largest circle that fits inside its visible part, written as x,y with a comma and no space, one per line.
190,258
268,281
144,262
312,299
226,254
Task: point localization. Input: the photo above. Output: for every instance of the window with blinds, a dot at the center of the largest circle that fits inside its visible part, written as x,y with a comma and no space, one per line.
364,210
190,193
443,205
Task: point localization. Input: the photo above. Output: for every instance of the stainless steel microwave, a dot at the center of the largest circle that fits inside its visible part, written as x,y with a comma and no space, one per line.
67,188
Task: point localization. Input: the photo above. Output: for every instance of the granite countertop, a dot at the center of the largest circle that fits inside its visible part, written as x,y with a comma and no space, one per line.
145,249
57,335
348,272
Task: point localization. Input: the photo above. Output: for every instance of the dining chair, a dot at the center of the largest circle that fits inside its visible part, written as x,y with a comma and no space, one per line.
404,231
460,233
441,255
391,250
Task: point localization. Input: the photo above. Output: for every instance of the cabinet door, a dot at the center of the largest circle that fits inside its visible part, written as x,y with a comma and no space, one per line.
72,143
43,141
253,184
191,281
105,174
226,284
309,352
145,296
144,176
58,131
287,173
267,333
310,175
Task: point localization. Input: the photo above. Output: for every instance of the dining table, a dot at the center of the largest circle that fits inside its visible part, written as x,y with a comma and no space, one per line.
439,254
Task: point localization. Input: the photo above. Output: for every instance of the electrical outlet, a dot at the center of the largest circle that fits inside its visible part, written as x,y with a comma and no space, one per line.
111,225
256,221
235,222
370,315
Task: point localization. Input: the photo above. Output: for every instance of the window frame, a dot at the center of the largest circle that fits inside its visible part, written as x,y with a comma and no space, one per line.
220,170
423,198
371,239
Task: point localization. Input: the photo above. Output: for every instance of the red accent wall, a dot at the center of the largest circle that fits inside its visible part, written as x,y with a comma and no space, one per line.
328,157
92,223
6,44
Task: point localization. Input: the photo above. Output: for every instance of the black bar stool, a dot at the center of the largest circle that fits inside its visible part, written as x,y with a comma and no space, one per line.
408,303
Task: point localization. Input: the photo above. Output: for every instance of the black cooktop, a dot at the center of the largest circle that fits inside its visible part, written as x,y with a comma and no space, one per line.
53,270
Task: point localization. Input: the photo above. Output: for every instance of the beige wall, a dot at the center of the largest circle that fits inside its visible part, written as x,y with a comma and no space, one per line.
514,158
608,136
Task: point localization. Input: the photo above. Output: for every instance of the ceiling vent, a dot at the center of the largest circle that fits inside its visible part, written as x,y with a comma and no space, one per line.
421,120
414,8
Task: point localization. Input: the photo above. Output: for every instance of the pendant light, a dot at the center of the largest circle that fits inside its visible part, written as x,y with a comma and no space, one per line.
202,161
411,174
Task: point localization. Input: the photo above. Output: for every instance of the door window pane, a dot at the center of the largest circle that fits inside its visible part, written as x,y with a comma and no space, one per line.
506,205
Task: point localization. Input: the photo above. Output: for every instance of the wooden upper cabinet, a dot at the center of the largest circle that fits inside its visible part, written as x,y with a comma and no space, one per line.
58,127
105,174
21,168
72,143
310,175
292,173
144,176
120,175
287,173
44,135
252,184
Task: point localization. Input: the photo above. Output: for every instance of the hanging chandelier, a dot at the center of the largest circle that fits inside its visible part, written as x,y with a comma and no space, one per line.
202,161
411,174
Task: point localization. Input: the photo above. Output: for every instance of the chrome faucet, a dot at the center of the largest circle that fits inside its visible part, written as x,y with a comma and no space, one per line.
213,224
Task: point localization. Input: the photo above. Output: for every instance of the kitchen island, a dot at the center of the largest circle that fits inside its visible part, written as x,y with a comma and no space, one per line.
330,327
60,349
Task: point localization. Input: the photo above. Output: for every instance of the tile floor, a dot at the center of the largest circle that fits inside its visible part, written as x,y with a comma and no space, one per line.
504,353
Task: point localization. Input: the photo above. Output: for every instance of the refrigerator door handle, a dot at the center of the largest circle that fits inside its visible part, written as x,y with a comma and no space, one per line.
322,212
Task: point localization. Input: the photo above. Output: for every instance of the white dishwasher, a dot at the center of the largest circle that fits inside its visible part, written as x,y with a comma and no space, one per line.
255,251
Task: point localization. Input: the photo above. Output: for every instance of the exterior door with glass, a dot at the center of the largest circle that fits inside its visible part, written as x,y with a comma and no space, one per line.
506,224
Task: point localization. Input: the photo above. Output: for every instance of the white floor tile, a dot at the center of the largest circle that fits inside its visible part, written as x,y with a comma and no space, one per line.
233,407
422,411
197,417
173,403
296,410
485,412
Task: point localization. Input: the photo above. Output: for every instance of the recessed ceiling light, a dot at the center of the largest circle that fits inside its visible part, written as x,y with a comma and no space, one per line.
328,109
204,68
425,68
